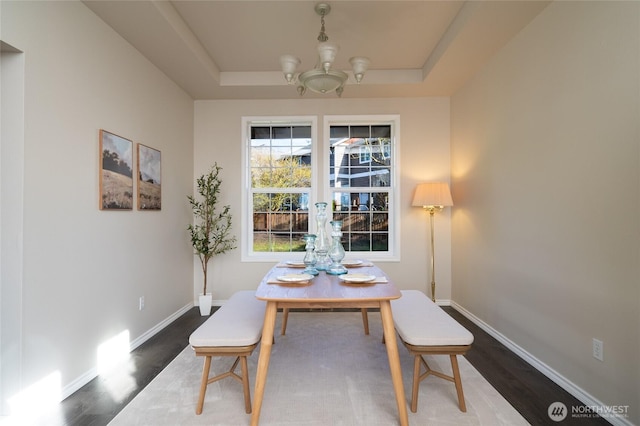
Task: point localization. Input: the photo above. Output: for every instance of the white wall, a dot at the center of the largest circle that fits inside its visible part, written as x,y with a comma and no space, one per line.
546,180
84,269
424,156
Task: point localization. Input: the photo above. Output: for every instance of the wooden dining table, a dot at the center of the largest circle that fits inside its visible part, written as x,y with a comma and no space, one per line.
322,292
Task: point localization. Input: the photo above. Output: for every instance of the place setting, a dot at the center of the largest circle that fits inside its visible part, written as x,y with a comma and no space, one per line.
355,263
361,279
300,279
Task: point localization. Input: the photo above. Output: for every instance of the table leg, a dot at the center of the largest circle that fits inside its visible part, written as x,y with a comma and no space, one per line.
394,360
263,360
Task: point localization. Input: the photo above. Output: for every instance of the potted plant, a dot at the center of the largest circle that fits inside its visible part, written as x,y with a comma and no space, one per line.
210,232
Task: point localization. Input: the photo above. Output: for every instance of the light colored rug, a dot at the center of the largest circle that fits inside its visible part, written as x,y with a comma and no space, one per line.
325,371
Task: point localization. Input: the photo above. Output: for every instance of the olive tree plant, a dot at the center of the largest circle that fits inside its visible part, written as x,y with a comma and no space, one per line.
211,231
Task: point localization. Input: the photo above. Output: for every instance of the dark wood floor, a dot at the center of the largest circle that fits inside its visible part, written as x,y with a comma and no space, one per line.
525,388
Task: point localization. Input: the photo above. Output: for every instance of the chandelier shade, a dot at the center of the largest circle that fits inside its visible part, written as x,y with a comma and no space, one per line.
320,81
289,65
322,78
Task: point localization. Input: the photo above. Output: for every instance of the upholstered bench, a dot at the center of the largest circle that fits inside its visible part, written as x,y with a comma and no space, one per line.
426,329
233,330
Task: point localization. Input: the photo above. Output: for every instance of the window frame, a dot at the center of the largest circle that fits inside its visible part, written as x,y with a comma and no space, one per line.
393,254
320,180
246,242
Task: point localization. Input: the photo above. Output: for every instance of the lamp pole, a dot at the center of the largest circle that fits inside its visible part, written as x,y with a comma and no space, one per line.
432,196
432,210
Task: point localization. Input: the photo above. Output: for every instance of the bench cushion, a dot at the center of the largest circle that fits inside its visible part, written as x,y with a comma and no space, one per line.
420,322
238,322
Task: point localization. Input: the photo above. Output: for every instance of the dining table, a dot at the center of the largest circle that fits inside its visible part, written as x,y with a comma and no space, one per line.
365,286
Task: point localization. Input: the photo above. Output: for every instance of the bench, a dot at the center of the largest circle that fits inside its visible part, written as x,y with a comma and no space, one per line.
426,329
233,330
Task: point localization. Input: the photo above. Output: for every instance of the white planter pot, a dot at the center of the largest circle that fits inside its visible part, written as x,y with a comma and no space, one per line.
205,304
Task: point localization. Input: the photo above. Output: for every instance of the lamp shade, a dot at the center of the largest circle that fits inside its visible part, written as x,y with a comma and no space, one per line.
432,194
289,65
359,65
327,52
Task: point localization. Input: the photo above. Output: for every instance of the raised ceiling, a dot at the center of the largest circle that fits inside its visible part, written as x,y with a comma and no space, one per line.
231,49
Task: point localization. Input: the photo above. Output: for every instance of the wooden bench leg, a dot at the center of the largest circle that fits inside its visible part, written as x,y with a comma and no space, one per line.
416,383
417,378
245,385
204,383
458,382
244,379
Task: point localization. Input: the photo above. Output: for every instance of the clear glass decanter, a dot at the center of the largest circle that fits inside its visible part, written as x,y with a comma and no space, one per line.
322,241
336,253
310,257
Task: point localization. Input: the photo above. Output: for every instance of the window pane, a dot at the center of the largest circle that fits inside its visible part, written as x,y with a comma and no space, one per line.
380,242
339,132
360,132
383,131
260,132
360,162
365,219
279,221
301,132
281,132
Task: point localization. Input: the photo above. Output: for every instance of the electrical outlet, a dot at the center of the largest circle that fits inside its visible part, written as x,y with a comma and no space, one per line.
141,303
598,349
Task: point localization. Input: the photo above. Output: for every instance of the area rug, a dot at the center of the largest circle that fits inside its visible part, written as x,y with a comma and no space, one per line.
324,371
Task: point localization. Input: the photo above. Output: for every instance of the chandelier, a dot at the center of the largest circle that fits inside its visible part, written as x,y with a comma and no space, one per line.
322,79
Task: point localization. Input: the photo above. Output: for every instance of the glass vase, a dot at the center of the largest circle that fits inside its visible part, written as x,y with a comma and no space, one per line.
310,257
322,241
336,253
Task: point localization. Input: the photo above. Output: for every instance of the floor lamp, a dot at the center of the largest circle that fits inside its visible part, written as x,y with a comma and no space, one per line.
432,196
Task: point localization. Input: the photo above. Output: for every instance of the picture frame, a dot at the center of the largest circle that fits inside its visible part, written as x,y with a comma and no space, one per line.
116,172
149,178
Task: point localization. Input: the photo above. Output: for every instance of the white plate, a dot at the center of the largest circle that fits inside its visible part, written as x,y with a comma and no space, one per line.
295,278
351,262
357,278
296,263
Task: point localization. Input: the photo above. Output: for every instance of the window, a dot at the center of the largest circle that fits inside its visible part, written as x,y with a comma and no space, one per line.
362,183
279,177
358,180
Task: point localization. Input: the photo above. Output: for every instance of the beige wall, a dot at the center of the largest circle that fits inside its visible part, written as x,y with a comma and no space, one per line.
542,245
546,180
85,269
424,155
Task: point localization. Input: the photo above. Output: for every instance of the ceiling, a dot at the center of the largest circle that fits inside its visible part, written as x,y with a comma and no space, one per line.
230,49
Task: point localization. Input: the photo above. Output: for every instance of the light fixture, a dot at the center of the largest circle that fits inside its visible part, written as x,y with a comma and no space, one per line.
432,196
322,78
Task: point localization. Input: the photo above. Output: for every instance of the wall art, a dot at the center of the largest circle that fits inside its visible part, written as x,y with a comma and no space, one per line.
149,178
116,174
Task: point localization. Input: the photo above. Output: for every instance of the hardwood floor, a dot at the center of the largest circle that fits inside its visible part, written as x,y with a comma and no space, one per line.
529,391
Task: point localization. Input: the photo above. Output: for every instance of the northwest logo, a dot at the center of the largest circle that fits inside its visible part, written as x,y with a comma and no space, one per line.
557,411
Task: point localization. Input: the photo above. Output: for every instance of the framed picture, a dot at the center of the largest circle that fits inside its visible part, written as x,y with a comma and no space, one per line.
149,178
116,174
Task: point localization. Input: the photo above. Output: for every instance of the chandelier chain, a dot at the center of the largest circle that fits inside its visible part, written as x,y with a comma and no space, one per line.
322,37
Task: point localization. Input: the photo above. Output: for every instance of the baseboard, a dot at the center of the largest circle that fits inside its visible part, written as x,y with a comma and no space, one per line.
579,393
85,378
153,331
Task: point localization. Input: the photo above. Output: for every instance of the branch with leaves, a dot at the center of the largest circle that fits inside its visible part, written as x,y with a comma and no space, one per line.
211,231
